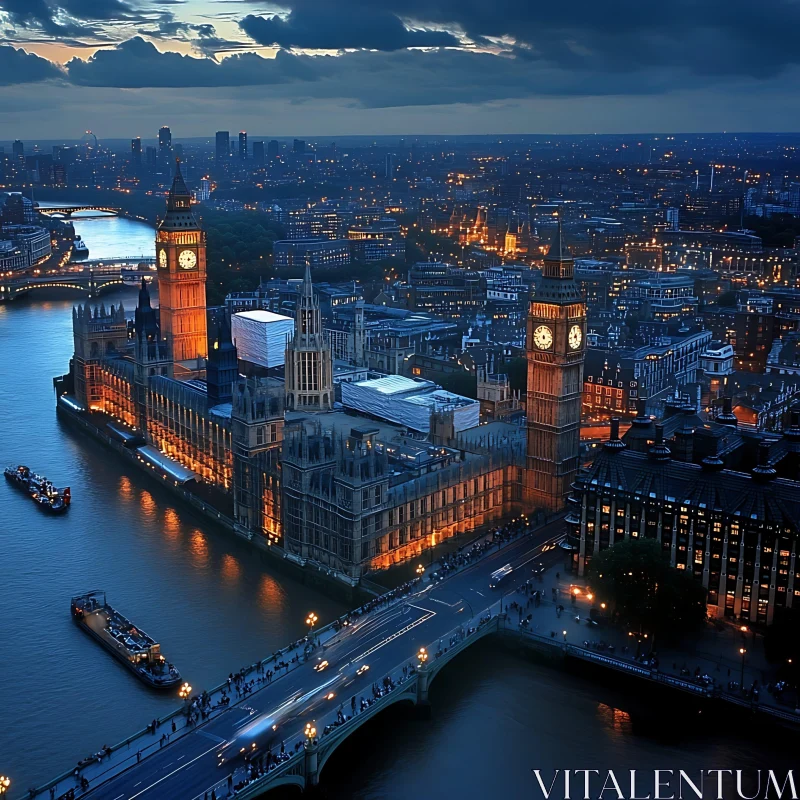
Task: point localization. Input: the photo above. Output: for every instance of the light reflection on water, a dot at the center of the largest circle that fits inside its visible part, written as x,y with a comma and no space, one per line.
161,565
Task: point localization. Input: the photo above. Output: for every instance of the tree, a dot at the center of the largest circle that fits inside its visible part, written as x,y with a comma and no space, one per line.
635,579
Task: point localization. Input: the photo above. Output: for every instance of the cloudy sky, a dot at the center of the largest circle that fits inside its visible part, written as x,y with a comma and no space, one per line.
335,67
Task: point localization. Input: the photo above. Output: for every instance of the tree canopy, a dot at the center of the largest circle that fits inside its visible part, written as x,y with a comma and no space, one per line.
635,579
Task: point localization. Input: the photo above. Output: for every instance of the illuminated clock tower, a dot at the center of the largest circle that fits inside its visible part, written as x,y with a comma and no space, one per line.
181,261
556,344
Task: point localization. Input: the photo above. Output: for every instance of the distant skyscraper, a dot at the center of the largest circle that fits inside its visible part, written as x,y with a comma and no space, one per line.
223,146
204,192
673,219
164,139
18,149
151,157
258,152
243,145
299,146
389,165
177,151
136,151
273,149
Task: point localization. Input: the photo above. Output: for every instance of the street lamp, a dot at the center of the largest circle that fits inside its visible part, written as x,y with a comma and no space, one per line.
310,732
743,653
422,655
185,691
311,620
565,635
4,784
420,569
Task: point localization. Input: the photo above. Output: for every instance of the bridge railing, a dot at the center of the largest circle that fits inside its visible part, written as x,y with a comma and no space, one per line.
295,650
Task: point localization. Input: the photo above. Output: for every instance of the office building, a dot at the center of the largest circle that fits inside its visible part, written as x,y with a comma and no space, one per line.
242,145
223,147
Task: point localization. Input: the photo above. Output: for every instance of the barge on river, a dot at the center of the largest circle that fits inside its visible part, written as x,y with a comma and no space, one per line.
140,653
39,489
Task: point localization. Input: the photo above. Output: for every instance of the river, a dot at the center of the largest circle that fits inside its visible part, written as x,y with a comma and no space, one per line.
215,607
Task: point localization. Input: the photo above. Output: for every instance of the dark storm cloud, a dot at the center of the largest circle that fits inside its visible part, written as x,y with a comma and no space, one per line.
67,18
709,37
17,66
329,27
384,79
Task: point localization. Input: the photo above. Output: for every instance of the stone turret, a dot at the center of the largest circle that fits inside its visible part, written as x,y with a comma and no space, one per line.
257,436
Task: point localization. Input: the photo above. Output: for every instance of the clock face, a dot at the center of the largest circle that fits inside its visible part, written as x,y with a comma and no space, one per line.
543,337
162,258
575,337
187,259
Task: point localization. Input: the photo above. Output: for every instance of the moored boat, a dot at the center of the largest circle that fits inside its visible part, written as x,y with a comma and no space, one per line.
140,653
42,491
79,249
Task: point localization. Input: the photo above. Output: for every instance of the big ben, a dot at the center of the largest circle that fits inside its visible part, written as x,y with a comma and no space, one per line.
181,262
556,341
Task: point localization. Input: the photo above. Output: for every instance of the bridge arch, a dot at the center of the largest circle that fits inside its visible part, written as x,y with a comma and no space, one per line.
364,718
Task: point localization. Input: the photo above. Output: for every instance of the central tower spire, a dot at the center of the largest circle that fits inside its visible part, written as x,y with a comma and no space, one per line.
309,366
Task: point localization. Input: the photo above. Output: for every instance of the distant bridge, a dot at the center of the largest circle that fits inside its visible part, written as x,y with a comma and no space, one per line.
90,277
68,211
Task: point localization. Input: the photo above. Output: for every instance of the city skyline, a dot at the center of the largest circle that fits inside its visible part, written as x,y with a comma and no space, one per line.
436,69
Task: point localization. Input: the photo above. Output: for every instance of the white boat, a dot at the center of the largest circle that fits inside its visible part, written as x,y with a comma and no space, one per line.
79,249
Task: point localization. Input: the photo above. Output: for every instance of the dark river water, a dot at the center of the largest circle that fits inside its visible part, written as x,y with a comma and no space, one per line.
215,607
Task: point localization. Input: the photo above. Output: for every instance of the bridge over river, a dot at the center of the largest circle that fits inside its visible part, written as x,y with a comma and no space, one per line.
88,277
386,640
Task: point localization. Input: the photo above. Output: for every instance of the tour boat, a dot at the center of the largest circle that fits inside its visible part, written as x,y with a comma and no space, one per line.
39,489
140,653
79,249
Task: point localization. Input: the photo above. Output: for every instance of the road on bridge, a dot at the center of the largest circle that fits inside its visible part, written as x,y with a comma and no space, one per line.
385,640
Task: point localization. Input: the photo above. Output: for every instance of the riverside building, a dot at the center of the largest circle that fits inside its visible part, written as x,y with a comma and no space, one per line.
271,449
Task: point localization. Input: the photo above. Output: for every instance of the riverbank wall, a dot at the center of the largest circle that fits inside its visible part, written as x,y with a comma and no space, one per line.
273,556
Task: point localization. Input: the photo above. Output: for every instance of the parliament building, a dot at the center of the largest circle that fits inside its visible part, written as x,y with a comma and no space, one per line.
287,465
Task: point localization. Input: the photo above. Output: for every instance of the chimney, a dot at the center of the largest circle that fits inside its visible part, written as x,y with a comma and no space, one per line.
660,451
763,472
614,443
727,417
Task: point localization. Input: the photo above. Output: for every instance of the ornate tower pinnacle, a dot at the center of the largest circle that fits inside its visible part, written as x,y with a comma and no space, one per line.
309,366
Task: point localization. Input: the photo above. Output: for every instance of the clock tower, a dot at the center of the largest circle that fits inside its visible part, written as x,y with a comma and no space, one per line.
181,262
556,342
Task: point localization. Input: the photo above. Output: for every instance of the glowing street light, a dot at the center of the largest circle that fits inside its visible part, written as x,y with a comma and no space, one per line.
420,569
310,732
422,655
742,653
311,620
4,784
185,691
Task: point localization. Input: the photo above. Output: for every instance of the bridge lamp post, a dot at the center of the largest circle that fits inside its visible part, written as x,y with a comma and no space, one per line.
311,620
420,570
310,732
185,691
422,655
742,653
4,784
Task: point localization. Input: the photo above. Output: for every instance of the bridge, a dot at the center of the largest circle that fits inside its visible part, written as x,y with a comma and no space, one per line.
88,277
319,686
404,643
68,211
